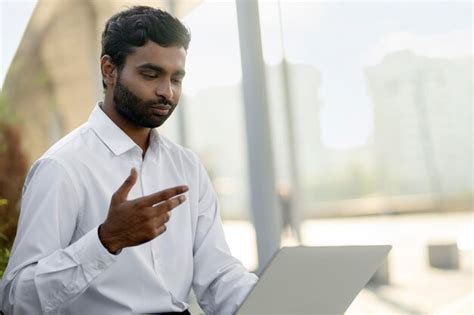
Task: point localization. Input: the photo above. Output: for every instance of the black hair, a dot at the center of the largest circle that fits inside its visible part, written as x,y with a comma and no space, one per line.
134,27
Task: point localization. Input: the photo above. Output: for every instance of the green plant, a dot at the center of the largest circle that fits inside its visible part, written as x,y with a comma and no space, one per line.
13,168
4,256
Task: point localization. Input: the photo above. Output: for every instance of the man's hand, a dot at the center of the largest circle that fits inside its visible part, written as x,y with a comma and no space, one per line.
133,222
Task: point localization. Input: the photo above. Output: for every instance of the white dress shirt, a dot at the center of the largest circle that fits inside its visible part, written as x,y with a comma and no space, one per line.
58,264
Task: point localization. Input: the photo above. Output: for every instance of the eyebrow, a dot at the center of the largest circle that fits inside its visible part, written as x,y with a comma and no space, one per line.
154,67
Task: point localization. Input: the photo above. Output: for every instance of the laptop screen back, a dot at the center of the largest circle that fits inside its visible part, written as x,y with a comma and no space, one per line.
313,280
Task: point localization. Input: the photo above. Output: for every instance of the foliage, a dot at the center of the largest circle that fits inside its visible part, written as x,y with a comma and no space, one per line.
4,255
13,167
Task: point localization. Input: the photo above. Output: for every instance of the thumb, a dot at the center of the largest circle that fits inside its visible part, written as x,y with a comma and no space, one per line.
122,192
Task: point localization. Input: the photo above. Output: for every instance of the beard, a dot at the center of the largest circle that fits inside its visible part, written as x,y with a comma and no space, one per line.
136,110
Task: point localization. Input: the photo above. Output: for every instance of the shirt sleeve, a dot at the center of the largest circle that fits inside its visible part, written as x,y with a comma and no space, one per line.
220,281
46,270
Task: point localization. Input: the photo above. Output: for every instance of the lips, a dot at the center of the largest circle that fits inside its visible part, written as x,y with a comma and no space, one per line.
161,109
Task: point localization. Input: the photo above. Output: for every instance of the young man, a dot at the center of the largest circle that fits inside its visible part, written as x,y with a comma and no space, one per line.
115,218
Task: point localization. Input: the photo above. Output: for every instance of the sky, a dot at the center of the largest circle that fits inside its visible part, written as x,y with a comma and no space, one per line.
338,38
14,16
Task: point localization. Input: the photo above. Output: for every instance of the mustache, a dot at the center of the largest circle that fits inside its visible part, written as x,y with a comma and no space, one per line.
161,101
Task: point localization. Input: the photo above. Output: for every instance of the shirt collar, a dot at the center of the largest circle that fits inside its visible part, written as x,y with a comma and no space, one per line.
114,137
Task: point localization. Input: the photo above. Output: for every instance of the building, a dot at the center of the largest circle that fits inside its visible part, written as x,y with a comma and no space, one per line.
423,124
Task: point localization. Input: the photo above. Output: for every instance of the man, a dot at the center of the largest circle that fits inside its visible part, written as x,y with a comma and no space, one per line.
115,218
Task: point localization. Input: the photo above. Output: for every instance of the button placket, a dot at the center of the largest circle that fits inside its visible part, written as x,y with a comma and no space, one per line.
147,188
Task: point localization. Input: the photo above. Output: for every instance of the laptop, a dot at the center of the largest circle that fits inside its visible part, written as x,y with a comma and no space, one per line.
313,280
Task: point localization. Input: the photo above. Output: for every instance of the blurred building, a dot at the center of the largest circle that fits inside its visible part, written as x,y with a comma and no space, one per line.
305,103
221,108
423,137
54,80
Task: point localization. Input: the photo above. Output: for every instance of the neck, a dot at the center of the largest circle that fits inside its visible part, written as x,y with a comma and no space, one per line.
140,135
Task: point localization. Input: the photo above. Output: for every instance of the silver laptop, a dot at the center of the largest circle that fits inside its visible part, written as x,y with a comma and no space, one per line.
313,280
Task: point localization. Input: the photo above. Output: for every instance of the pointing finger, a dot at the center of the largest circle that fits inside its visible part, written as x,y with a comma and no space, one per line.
170,204
163,195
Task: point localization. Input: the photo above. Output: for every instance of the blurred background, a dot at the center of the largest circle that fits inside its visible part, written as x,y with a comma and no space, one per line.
366,128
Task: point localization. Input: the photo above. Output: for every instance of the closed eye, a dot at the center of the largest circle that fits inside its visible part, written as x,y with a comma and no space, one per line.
177,81
150,75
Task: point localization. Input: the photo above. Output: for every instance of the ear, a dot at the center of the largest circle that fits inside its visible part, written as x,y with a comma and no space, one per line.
109,70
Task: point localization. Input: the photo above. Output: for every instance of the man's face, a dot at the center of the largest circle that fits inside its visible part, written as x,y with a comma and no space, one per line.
148,87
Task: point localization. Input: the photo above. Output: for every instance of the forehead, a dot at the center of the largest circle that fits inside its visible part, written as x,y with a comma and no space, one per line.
171,58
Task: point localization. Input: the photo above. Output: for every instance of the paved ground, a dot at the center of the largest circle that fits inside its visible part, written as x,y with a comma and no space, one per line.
415,287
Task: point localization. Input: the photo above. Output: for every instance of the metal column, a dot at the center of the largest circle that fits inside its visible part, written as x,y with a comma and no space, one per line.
181,110
264,203
295,194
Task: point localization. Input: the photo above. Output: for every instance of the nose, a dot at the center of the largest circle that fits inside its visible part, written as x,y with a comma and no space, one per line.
165,89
